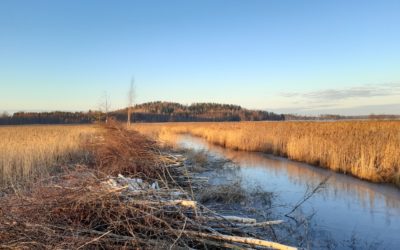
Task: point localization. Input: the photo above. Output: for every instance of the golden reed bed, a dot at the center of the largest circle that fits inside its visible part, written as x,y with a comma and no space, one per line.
369,150
30,151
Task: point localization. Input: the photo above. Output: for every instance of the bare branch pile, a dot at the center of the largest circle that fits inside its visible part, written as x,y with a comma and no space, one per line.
138,204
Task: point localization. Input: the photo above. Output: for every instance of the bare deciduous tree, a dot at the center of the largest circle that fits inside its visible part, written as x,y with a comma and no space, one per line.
105,104
5,114
131,96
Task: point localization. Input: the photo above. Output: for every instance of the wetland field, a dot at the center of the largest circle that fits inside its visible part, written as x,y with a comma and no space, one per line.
365,149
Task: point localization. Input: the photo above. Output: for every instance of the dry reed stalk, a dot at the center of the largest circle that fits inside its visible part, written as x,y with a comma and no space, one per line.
30,151
366,149
119,151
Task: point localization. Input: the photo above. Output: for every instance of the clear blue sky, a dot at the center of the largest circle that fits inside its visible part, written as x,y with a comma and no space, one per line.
297,56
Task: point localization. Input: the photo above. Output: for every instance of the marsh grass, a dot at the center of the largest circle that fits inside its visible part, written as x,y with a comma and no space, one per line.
33,151
225,193
198,160
81,210
369,150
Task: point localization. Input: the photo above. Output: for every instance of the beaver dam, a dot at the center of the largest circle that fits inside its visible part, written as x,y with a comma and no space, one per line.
125,192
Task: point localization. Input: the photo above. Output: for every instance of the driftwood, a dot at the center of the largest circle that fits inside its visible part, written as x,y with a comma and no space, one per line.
233,219
243,240
262,224
220,244
239,219
183,203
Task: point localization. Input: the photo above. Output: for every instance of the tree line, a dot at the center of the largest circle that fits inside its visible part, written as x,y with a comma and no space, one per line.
146,112
176,112
169,112
56,117
334,117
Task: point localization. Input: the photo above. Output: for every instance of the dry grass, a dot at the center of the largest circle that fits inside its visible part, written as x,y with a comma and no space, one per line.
119,151
79,209
367,149
77,212
31,151
225,193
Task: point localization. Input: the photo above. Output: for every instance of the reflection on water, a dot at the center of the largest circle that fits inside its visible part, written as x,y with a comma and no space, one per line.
346,206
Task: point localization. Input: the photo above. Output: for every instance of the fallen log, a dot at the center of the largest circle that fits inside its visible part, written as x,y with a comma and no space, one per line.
261,224
225,245
243,240
183,203
233,219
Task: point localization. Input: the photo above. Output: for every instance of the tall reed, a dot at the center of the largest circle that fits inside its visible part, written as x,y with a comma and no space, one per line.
369,150
30,151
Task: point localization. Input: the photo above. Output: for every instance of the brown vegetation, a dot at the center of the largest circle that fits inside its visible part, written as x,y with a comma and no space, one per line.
224,193
366,149
31,151
88,207
119,151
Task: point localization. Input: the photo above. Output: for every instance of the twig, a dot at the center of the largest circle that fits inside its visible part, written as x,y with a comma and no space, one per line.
180,234
95,239
308,196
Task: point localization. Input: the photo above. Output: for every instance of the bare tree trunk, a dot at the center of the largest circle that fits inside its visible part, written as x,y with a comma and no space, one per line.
106,108
105,105
131,94
129,117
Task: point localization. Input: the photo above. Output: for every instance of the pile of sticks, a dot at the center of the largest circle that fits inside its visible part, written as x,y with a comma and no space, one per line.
85,208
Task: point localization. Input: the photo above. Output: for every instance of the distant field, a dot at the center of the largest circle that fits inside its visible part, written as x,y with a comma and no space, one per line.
29,151
367,149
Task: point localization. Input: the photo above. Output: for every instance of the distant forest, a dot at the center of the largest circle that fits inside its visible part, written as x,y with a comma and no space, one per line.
57,117
147,112
175,112
170,112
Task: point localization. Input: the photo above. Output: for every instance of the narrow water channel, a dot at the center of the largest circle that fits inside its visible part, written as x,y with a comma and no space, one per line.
346,208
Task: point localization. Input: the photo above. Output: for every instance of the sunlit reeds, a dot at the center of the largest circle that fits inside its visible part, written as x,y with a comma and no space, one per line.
367,149
30,151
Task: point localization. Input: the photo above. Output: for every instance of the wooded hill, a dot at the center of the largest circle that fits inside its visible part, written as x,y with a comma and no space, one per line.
175,112
146,112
